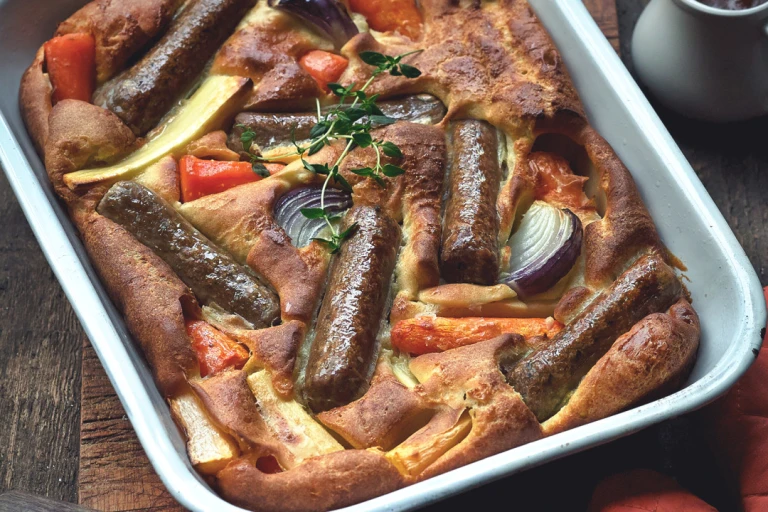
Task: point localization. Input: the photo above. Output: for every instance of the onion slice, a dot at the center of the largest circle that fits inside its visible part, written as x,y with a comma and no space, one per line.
544,249
302,230
328,16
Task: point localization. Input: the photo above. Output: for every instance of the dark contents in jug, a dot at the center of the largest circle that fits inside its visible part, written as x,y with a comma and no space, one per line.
733,5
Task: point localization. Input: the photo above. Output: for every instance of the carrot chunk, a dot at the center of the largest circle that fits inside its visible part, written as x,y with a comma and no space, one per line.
274,168
204,177
324,67
215,350
71,63
556,182
390,15
422,335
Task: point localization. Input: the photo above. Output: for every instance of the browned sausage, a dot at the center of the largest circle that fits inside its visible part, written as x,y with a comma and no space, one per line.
144,93
344,346
547,376
275,129
471,225
211,273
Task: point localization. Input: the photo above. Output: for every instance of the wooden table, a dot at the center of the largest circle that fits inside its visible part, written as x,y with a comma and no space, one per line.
45,358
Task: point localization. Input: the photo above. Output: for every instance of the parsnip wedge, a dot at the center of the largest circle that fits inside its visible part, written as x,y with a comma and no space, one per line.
446,429
208,447
217,99
291,424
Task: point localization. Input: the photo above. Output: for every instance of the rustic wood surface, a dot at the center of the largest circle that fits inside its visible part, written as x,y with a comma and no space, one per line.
43,407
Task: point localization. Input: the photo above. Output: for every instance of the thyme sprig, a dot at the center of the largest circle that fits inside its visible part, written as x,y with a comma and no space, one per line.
351,122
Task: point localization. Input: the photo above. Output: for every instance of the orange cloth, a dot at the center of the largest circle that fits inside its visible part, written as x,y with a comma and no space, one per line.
643,490
737,428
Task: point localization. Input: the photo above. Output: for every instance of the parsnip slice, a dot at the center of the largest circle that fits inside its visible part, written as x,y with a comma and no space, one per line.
291,424
208,447
442,433
217,99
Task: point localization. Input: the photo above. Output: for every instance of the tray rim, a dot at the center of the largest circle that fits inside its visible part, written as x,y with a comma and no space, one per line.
188,488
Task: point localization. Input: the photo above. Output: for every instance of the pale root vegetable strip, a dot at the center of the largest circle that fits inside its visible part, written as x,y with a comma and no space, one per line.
424,334
216,100
209,448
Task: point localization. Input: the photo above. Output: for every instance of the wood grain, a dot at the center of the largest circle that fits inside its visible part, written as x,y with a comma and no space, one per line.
16,501
604,13
40,341
115,474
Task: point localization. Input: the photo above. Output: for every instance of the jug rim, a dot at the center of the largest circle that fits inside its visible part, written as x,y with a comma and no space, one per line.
724,13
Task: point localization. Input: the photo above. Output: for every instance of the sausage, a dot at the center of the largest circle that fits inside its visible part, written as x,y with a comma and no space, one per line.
275,129
212,274
547,376
469,252
343,350
144,93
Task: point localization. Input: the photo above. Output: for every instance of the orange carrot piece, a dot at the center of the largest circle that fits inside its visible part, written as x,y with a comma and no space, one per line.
274,168
215,350
324,67
556,181
390,15
423,334
71,63
204,177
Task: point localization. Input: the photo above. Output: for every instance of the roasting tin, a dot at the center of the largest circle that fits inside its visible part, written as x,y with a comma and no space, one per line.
726,292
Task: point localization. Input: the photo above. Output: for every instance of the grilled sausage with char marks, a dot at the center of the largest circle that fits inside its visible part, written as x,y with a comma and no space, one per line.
547,376
471,225
211,273
143,94
344,346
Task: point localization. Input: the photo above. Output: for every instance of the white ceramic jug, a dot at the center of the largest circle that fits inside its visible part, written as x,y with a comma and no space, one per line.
705,63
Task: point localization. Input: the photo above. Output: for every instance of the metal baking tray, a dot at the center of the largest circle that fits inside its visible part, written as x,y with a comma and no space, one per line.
725,288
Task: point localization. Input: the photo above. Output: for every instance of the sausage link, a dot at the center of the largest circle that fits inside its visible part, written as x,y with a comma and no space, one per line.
546,377
212,274
471,225
144,93
275,129
344,346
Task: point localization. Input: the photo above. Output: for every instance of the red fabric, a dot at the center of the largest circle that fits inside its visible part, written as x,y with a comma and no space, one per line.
737,428
643,490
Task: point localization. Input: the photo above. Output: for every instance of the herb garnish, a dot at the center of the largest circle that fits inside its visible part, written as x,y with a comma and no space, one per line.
351,122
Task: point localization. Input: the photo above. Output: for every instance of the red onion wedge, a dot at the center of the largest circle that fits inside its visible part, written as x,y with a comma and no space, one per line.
329,16
302,230
544,249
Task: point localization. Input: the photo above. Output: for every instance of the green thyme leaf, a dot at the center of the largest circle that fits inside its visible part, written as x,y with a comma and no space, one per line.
364,171
362,139
373,58
391,150
337,89
342,182
409,71
391,170
347,232
315,147
382,120
355,113
319,130
313,213
260,169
